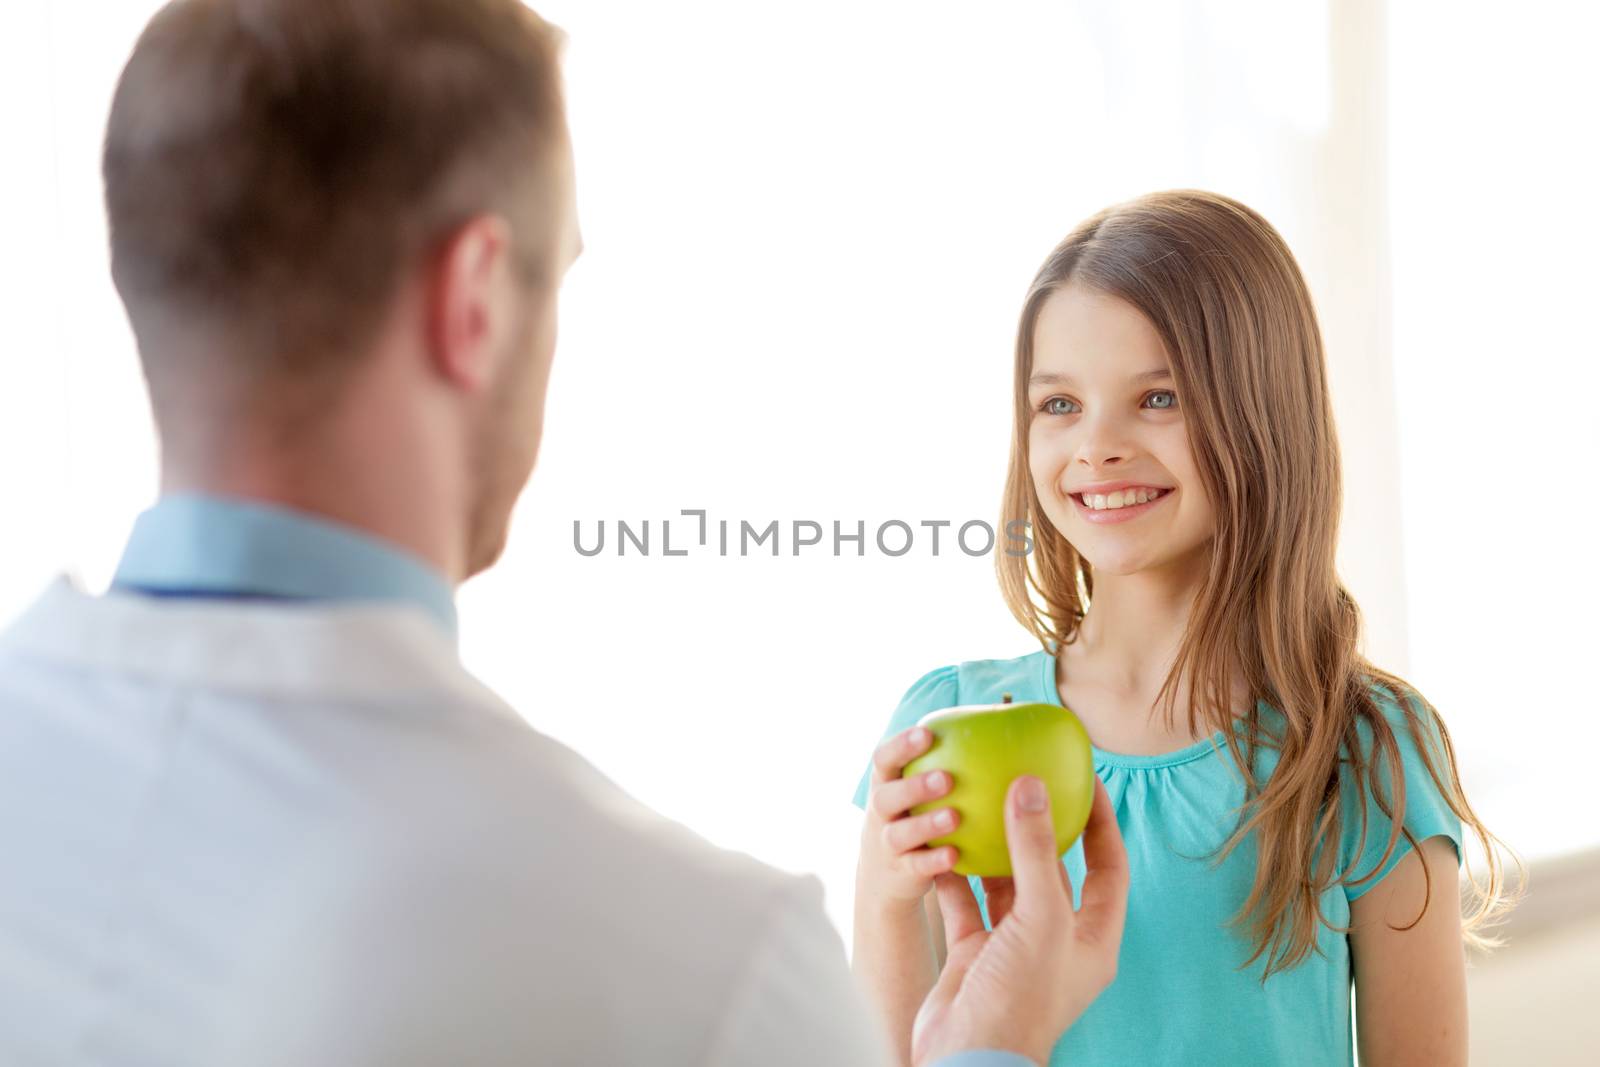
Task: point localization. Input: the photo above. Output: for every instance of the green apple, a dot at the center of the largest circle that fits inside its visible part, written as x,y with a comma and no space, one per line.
985,747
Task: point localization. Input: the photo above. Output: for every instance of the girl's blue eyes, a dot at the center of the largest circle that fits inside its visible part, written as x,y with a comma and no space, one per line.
1048,409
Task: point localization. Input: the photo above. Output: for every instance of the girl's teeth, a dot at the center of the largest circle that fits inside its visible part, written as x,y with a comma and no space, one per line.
1120,499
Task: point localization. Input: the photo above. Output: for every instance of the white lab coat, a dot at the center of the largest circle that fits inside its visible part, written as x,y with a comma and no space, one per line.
244,833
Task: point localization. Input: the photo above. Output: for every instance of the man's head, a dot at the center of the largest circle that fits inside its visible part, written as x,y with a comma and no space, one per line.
339,228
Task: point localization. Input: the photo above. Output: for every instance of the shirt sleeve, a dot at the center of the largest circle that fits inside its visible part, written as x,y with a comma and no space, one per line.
1426,812
800,1005
934,691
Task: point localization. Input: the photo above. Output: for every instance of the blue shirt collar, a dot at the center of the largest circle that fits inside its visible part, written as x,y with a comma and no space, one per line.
199,545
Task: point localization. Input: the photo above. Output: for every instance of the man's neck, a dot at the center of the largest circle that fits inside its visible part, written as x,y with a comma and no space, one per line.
395,493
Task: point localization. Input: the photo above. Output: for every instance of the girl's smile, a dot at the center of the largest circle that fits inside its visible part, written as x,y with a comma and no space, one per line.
1121,506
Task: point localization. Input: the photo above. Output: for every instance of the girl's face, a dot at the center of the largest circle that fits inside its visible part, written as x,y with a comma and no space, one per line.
1105,416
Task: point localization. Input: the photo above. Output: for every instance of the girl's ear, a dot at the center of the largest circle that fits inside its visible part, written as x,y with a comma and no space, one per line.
469,301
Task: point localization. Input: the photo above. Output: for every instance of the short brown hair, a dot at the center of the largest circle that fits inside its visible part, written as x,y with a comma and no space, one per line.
271,166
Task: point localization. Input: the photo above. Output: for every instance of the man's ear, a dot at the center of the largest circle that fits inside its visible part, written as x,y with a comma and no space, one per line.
468,300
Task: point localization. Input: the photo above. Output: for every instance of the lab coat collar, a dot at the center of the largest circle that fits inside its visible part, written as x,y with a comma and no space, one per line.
307,650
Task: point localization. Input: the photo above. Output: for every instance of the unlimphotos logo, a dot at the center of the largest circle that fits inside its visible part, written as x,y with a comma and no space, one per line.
894,537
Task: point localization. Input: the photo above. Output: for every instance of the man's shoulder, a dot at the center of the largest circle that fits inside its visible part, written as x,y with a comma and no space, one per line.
517,869
551,807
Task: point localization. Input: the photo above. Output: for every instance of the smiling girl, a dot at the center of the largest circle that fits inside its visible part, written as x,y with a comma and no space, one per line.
1292,813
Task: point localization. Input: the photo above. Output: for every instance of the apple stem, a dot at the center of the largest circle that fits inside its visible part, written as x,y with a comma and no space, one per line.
1005,698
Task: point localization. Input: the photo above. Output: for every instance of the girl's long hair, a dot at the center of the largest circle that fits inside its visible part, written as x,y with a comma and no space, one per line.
1224,292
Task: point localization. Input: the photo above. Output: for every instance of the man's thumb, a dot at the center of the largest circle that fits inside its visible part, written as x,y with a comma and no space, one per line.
1031,838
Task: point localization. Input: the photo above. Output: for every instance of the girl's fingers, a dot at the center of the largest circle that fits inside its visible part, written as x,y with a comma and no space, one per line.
903,835
890,758
894,798
930,862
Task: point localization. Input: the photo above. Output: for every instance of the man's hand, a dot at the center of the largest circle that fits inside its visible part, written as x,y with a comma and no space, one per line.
1021,985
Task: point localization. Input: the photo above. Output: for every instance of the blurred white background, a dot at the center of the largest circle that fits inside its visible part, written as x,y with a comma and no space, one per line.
809,230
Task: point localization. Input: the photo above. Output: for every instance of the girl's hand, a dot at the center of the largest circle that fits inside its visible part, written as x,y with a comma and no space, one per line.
896,866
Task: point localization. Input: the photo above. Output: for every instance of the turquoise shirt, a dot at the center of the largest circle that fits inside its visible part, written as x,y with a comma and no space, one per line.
207,546
1179,996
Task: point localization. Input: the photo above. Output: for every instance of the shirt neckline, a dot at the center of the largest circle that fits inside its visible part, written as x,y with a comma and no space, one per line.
202,545
1105,757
